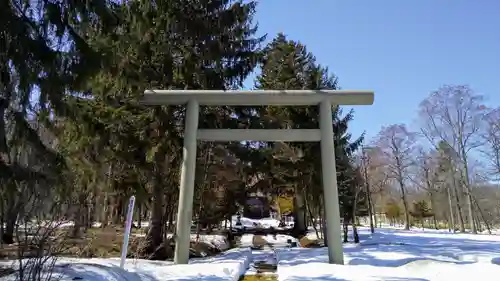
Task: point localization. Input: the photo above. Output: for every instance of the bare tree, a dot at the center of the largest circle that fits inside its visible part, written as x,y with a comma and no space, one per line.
491,138
454,114
365,162
378,178
446,178
426,177
397,145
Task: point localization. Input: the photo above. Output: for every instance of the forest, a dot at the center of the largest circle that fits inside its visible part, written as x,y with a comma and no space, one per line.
76,143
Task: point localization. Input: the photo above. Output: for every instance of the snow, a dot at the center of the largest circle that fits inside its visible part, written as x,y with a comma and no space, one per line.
227,266
249,223
389,254
392,254
218,241
266,255
278,240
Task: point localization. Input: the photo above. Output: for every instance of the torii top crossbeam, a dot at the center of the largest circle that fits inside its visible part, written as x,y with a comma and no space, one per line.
258,97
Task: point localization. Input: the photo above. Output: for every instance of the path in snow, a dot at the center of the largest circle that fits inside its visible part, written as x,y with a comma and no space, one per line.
264,261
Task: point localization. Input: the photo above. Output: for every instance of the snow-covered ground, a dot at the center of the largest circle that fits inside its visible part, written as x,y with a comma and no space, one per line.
217,241
389,254
392,254
245,222
278,240
254,223
227,266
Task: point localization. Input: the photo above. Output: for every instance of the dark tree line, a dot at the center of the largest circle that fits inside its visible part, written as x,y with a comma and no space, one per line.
74,136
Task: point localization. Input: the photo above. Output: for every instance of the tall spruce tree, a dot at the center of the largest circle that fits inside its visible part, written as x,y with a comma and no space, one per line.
288,65
170,45
42,58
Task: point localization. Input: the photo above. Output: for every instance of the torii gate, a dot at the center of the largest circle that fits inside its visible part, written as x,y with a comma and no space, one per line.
194,98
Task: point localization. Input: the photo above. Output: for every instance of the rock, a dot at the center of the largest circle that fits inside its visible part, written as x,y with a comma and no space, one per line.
202,249
258,241
309,243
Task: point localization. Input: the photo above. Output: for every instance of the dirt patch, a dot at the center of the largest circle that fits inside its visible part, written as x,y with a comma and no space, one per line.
98,242
259,277
102,243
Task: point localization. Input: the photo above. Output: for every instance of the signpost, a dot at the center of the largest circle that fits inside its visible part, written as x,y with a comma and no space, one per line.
128,228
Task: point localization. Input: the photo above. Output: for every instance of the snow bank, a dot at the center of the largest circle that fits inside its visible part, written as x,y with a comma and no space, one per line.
227,266
279,240
391,254
218,241
415,272
254,223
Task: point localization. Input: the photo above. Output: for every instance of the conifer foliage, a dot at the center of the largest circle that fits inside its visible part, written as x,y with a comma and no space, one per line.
288,65
73,130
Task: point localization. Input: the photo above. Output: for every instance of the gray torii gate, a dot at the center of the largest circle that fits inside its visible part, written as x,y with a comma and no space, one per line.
194,98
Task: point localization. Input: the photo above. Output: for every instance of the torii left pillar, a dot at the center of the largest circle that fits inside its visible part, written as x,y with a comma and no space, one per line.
186,189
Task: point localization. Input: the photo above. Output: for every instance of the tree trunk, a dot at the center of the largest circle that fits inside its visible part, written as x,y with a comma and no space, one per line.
405,203
154,235
431,197
488,227
299,226
2,218
459,207
477,223
79,217
171,213
105,211
470,207
375,213
450,205
11,215
106,199
115,211
345,225
139,214
466,181
368,194
324,226
353,223
355,233
311,219
8,234
320,218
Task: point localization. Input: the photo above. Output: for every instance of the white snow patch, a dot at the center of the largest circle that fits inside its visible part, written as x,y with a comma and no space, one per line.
227,266
392,254
254,223
218,241
278,240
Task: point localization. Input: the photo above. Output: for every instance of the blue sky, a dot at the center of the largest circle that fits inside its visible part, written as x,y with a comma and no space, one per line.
401,49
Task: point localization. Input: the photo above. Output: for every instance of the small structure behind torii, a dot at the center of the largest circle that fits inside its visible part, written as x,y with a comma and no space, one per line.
194,98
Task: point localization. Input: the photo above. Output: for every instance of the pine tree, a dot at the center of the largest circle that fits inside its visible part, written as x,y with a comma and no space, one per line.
420,211
42,59
170,45
288,65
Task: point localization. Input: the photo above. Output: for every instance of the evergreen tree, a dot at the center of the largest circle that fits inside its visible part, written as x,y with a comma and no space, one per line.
288,65
170,45
42,58
420,211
